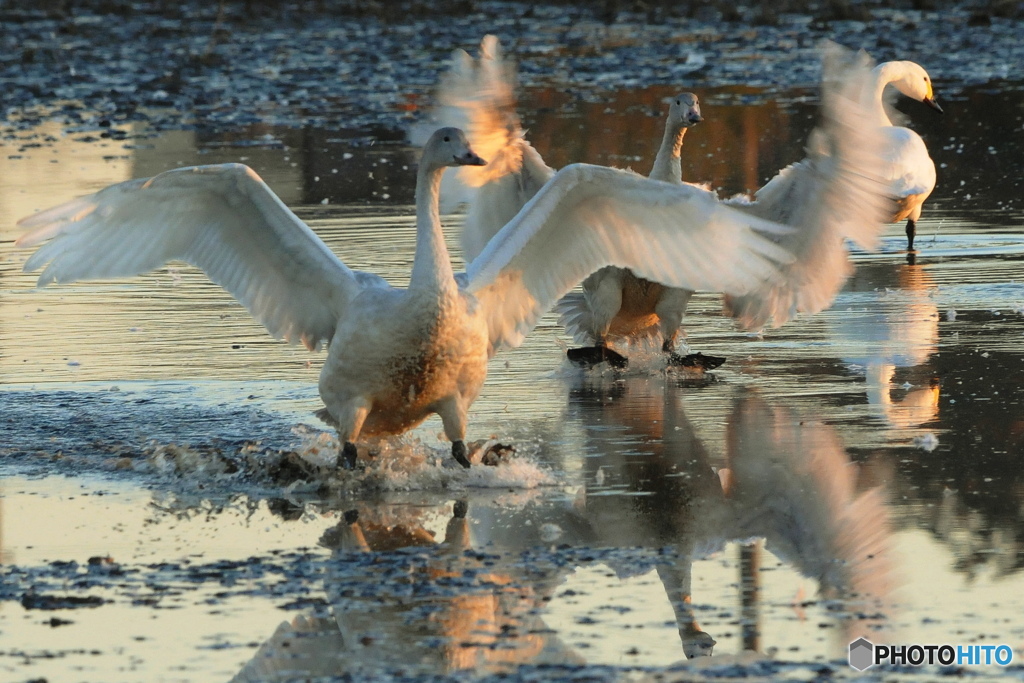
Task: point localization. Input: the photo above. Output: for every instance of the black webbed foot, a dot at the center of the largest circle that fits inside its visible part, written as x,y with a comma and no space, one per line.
460,509
460,453
348,456
695,360
911,232
589,356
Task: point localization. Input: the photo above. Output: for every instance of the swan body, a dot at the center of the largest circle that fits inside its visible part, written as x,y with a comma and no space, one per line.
908,167
615,302
835,193
397,356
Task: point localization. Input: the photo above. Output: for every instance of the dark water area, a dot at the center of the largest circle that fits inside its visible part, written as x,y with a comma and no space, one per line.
169,508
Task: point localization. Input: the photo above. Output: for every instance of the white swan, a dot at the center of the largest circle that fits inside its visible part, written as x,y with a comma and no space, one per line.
398,356
834,193
909,169
479,96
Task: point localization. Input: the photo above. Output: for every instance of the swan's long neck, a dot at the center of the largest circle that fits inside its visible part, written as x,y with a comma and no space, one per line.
667,165
884,74
432,266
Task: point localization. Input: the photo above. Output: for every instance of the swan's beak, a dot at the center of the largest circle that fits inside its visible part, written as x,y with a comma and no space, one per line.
933,104
694,118
469,159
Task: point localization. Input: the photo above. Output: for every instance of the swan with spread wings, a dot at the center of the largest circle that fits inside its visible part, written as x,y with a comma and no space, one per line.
397,356
835,193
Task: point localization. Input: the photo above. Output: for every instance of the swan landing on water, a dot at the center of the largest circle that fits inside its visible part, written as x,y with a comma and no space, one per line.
396,356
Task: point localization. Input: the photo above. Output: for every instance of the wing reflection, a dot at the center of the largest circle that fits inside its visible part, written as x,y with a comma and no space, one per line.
791,483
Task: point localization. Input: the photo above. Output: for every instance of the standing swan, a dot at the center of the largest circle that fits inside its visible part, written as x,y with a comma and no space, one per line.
837,192
397,356
614,301
909,169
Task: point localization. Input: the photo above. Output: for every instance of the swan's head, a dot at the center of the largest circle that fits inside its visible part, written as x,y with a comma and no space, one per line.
449,147
684,111
914,82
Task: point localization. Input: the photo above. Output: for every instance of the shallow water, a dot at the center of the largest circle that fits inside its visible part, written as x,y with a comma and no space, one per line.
152,422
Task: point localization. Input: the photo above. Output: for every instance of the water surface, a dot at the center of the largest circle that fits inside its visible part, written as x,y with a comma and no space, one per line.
646,518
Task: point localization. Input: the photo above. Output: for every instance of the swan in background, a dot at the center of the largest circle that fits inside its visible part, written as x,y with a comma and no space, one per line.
479,96
835,193
396,356
909,169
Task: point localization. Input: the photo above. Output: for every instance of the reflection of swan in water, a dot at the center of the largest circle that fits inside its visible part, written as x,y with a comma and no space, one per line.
787,481
791,482
892,328
645,440
414,612
473,601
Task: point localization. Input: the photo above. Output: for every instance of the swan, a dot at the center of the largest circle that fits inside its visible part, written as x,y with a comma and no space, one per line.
479,96
833,194
909,168
396,356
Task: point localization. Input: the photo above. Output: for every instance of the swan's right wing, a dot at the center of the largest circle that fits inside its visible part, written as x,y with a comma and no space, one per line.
223,219
588,217
478,96
838,192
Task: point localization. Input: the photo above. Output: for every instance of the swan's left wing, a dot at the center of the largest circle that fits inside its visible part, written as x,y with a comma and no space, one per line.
588,217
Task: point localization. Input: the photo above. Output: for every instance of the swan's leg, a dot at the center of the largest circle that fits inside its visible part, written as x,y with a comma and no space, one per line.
453,417
350,423
670,309
911,231
603,291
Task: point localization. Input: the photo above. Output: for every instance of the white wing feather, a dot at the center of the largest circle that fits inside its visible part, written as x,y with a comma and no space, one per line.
589,216
478,96
838,192
223,219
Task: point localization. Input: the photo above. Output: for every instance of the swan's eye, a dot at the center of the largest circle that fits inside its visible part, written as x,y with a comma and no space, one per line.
447,139
678,103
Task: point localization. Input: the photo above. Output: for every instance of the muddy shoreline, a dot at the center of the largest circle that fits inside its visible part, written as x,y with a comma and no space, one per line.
100,65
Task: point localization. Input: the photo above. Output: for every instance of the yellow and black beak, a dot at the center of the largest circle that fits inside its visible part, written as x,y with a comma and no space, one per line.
930,101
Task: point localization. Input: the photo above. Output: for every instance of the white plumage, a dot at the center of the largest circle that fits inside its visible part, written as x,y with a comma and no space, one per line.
909,169
835,193
397,356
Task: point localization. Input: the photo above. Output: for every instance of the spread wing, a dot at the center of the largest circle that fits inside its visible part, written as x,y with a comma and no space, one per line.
588,217
836,193
223,219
